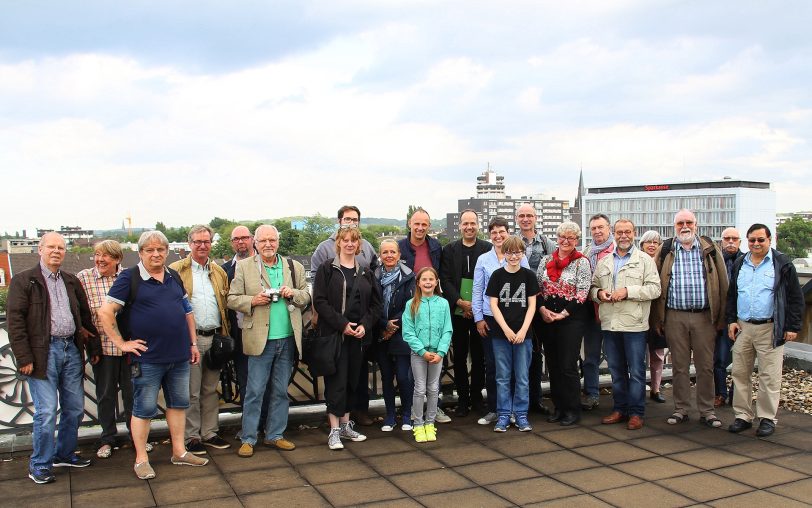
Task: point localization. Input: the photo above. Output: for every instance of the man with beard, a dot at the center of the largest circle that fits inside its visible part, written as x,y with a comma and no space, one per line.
691,311
731,240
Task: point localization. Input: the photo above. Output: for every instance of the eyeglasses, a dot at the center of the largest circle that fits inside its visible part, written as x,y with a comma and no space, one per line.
655,242
570,239
525,216
730,238
514,254
198,243
268,240
240,238
685,223
624,233
350,219
757,240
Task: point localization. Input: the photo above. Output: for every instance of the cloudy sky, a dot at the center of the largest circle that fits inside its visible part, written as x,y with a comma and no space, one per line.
184,110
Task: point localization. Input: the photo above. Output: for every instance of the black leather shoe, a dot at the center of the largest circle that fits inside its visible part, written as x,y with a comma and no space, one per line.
658,397
461,410
569,419
739,425
554,417
765,428
539,409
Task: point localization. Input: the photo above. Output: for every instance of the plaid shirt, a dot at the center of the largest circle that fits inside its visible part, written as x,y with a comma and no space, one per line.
687,290
96,286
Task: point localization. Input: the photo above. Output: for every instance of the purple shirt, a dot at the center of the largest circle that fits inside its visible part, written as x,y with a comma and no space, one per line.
62,324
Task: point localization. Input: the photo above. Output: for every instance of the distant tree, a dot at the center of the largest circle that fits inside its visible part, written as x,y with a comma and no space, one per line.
410,212
160,226
369,236
795,237
3,299
217,223
316,229
222,249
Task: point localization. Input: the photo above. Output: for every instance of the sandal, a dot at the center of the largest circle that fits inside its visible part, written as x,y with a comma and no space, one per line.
104,451
711,421
678,418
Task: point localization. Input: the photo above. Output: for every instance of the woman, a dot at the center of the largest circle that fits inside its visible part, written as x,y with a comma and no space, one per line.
347,302
564,279
396,283
649,243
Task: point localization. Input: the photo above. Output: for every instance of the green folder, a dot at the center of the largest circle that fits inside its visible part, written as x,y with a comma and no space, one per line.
466,293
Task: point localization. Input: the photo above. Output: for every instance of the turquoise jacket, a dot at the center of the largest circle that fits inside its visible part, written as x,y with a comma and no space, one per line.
430,330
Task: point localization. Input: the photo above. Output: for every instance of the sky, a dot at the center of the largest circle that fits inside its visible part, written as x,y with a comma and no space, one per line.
181,111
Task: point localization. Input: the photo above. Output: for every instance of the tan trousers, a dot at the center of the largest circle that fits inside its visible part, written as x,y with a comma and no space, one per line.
204,403
756,341
686,332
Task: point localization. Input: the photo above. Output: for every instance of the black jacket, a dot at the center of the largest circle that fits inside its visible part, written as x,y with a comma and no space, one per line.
402,293
407,252
234,328
329,298
29,319
451,269
788,301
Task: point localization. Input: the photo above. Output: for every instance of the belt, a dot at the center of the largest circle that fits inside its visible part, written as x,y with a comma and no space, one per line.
758,321
67,337
695,311
206,333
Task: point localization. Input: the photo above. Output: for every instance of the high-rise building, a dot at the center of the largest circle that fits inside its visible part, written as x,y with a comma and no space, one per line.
717,204
491,201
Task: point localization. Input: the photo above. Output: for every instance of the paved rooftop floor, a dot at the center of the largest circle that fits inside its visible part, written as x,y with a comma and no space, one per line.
585,465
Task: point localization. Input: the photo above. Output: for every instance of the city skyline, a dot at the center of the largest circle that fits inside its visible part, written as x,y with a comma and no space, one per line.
179,112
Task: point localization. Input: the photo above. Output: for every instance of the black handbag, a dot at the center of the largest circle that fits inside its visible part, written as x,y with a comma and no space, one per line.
321,353
221,351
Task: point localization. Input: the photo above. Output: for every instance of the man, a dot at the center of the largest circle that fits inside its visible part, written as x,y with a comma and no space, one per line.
264,292
242,242
206,285
112,373
457,278
602,246
49,325
691,310
623,286
163,344
731,240
418,249
349,216
537,246
764,310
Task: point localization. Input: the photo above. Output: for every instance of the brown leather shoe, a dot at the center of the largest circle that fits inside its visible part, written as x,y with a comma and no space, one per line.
615,417
281,443
361,418
635,423
718,401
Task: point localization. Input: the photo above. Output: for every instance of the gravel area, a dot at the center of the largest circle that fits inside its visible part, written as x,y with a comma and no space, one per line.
796,390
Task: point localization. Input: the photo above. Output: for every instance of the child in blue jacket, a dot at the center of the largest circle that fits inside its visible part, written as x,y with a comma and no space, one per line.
427,330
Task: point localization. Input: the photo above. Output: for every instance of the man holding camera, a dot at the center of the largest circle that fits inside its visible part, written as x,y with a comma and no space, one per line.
207,286
264,292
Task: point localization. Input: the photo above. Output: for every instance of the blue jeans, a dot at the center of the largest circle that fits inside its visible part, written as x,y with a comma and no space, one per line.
512,361
490,373
400,367
592,357
172,377
63,382
276,362
626,355
722,357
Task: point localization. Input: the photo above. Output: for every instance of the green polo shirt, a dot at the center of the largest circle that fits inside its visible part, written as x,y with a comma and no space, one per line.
279,326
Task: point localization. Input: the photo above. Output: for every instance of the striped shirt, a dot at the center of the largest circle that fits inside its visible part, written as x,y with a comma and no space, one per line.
96,286
62,324
687,290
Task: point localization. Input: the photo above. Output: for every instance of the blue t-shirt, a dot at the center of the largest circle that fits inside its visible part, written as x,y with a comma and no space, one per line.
157,316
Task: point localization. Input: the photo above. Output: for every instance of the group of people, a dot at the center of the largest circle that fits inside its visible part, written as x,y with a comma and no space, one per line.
507,304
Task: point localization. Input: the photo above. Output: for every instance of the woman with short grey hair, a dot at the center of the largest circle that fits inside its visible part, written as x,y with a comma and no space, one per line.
650,243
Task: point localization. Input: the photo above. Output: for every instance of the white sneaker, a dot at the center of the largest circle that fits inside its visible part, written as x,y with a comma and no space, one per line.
388,428
488,419
406,426
347,432
334,440
441,417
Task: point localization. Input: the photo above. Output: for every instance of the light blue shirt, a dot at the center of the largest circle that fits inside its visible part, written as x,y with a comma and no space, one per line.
620,261
756,286
486,264
204,302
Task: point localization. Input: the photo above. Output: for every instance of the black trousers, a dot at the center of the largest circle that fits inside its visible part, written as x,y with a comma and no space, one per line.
112,374
536,361
562,345
339,389
465,339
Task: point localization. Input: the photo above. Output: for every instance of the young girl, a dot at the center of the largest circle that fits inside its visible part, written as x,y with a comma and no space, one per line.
427,330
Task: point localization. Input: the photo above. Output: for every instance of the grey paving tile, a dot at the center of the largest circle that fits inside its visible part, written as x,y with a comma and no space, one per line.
577,437
262,459
643,495
478,496
800,440
595,479
429,482
760,474
336,471
612,453
799,462
709,458
581,501
220,502
533,490
557,462
758,498
704,486
464,454
352,493
800,490
299,497
664,444
522,444
656,468
190,489
760,449
496,472
263,480
377,447
621,433
123,497
408,462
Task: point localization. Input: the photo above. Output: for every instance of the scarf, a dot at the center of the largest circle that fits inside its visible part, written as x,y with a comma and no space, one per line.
388,280
556,265
595,249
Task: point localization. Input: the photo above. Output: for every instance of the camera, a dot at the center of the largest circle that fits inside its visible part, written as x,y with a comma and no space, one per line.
273,294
